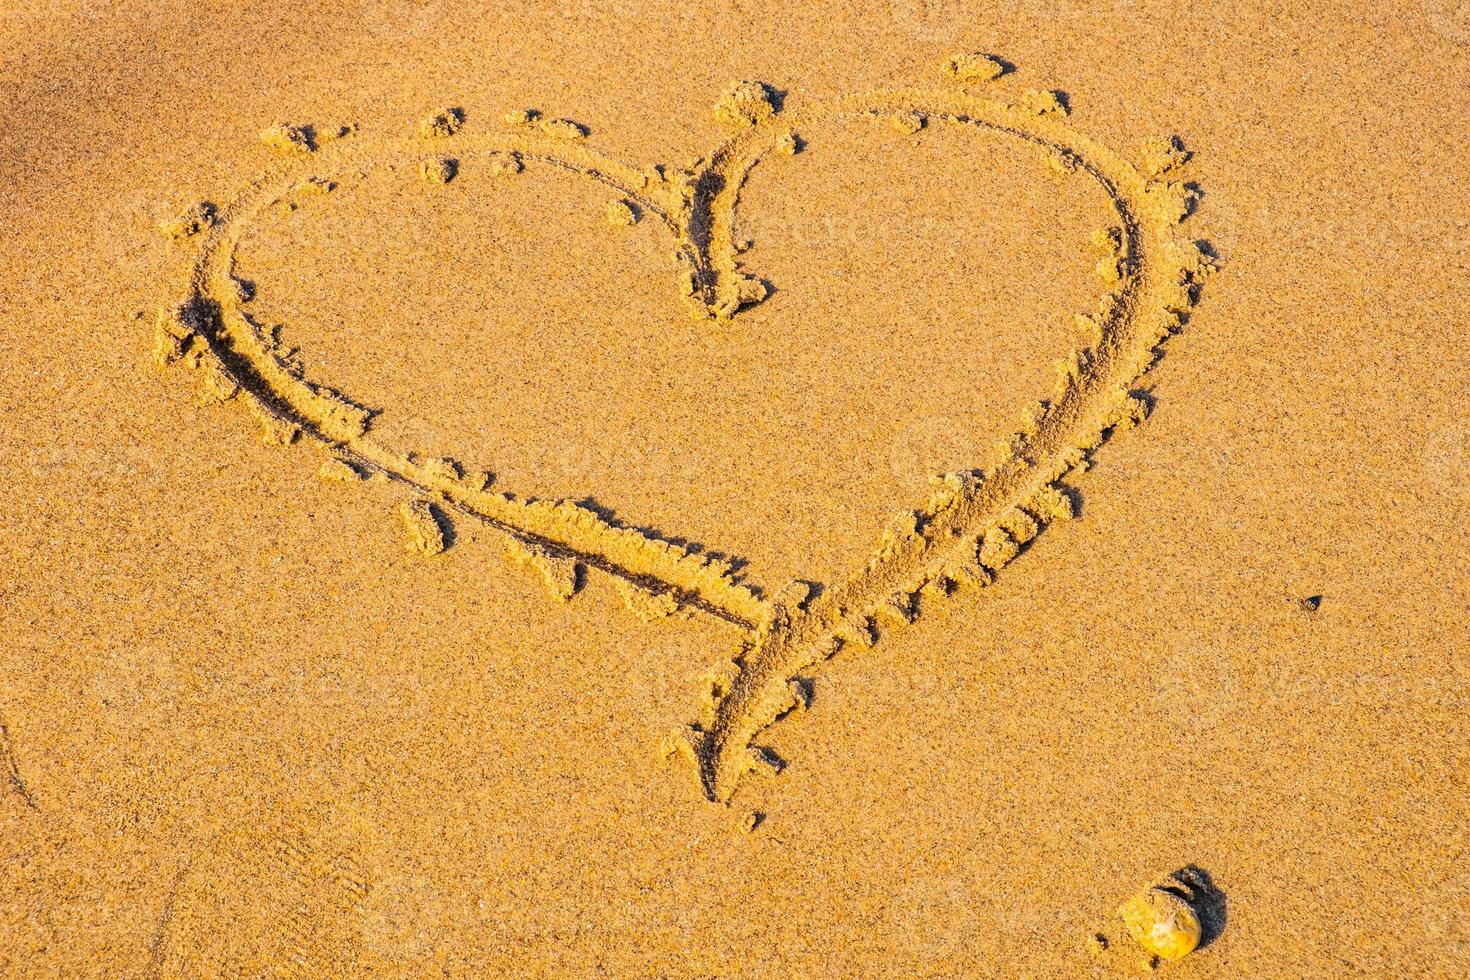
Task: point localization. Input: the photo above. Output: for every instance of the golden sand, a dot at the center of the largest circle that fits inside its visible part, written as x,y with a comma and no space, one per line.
839,491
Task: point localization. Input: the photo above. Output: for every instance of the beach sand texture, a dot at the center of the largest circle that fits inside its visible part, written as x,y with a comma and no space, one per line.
714,488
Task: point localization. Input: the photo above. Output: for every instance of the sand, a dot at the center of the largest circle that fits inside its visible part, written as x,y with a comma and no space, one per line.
721,489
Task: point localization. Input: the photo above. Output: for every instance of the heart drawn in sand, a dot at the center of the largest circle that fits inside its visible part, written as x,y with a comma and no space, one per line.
972,524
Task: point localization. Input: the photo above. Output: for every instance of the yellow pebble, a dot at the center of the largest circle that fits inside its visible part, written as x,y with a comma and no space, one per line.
1162,923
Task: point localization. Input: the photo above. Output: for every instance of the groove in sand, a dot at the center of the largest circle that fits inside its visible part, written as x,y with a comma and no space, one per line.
971,526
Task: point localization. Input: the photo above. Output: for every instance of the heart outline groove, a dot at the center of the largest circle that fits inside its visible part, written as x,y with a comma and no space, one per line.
972,524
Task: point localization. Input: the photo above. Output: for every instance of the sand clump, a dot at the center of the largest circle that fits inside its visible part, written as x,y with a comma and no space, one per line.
192,222
747,103
441,124
1060,161
1162,156
907,123
1113,265
215,384
274,430
289,140
646,603
504,164
970,68
423,532
621,213
336,470
1042,102
439,170
175,335
559,573
564,129
443,468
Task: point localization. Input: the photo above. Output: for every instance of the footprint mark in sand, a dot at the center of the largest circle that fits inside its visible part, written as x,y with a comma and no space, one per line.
971,526
282,904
